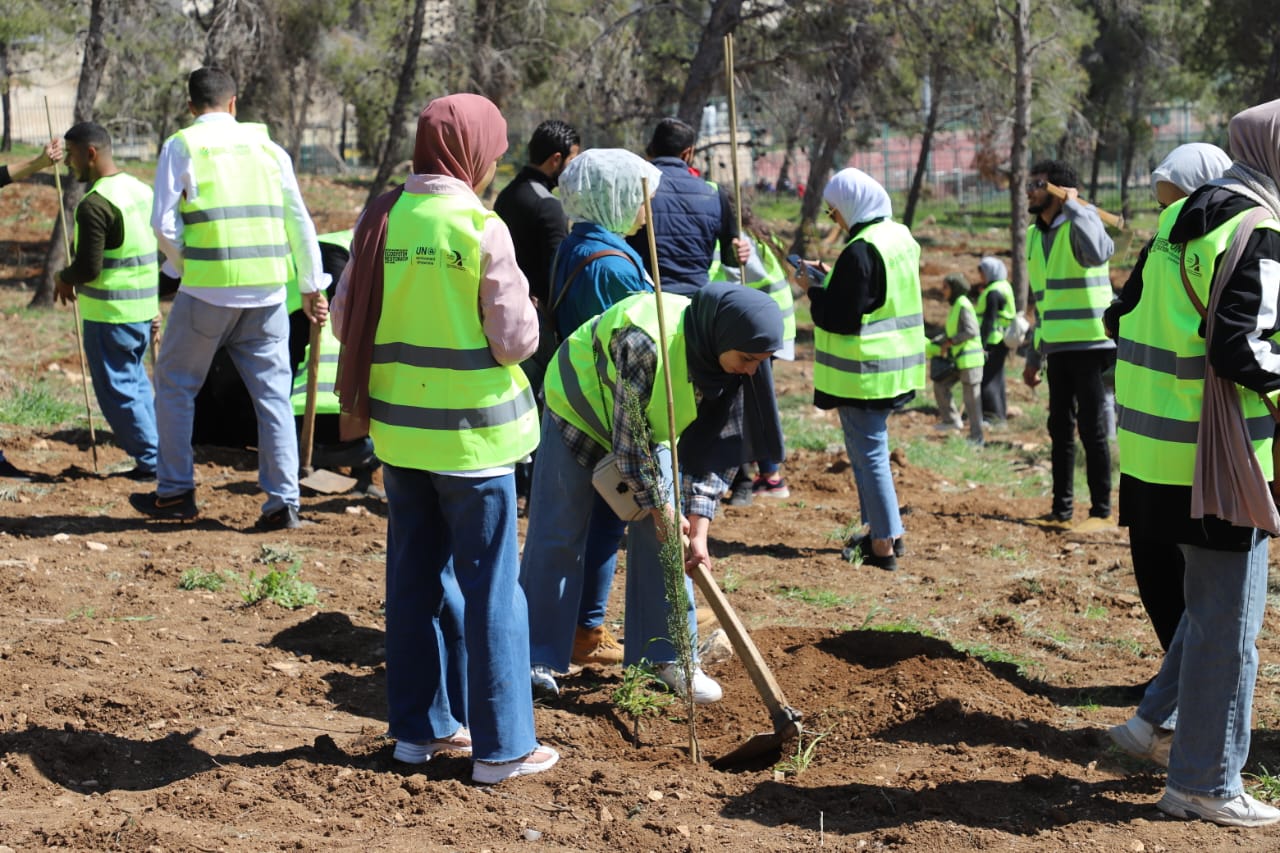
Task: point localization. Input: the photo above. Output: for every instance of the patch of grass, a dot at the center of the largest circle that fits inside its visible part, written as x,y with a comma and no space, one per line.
1125,644
284,588
732,581
1010,553
1095,611
799,761
902,626
636,697
1086,702
808,433
82,613
198,578
1266,783
959,463
990,654
819,597
36,405
270,554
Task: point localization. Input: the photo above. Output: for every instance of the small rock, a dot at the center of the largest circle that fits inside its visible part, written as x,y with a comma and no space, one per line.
716,648
654,796
356,510
1138,847
606,816
532,835
95,546
61,537
40,445
779,776
683,830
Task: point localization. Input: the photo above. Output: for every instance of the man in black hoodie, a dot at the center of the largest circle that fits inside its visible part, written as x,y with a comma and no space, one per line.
1209,301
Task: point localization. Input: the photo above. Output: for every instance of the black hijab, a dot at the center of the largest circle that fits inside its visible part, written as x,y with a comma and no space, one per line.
723,317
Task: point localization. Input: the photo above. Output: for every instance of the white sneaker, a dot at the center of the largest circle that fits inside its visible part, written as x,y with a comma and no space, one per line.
1240,810
1142,740
705,688
489,773
544,682
420,753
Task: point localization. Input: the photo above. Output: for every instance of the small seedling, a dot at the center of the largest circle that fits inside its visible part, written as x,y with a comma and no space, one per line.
198,578
635,696
799,761
82,613
1267,784
282,587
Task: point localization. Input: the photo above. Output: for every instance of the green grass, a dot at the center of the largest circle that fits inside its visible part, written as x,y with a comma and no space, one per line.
1095,611
990,654
799,761
819,597
955,461
38,405
1266,784
283,588
198,578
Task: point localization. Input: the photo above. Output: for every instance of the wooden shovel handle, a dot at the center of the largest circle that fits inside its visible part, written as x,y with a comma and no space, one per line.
780,712
306,440
1106,216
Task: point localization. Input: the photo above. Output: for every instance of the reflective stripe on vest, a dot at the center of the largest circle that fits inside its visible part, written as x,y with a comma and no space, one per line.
970,353
233,231
581,388
1069,298
773,282
128,287
1160,366
886,358
438,400
1005,318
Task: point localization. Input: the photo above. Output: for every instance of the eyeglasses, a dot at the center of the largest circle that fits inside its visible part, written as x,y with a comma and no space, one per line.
1032,186
831,212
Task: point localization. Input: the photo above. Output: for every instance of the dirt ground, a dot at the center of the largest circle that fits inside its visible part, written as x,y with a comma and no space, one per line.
961,701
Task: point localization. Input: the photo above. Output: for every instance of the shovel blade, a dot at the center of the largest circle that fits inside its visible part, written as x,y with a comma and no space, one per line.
327,482
766,745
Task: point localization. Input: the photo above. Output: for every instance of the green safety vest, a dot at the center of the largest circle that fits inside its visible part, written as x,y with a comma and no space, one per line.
969,353
128,287
330,348
1070,299
438,400
886,358
774,283
581,387
1005,318
1160,365
233,232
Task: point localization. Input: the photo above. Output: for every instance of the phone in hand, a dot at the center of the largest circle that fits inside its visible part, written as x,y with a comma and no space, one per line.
815,275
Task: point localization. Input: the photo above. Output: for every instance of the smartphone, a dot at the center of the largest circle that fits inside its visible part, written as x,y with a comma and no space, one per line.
816,276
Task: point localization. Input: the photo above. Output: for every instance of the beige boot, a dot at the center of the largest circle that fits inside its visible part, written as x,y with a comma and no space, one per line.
595,645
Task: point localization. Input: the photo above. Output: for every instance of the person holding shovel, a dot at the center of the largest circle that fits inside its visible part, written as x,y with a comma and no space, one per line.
51,154
115,276
434,316
605,395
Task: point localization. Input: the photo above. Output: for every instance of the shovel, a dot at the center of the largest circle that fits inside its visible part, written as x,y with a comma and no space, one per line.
786,720
322,481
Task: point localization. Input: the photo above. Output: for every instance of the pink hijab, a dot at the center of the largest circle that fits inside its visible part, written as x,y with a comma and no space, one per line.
460,136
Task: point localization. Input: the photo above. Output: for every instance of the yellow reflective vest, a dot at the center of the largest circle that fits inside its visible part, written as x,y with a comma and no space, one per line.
127,289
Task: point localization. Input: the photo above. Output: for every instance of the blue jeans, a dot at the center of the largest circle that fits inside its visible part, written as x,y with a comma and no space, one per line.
600,561
551,569
257,339
1205,685
866,439
115,354
457,624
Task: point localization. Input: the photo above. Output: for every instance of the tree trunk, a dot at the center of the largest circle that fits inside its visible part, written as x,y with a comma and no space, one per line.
1019,218
6,137
926,146
91,68
387,158
706,69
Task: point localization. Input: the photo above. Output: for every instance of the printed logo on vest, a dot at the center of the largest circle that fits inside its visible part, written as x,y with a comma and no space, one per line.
395,256
456,261
425,256
1193,266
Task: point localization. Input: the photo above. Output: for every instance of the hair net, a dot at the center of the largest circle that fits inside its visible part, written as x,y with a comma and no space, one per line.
992,269
602,185
1188,166
857,196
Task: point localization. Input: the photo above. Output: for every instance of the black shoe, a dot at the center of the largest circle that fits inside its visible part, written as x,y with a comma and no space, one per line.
285,518
139,474
741,493
357,453
180,507
11,473
863,542
859,548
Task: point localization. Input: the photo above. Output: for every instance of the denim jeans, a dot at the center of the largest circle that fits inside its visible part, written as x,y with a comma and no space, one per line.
551,569
1077,398
1205,685
600,561
115,354
457,624
257,339
866,439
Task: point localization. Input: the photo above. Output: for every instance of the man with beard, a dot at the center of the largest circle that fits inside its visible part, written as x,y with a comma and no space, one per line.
1067,253
115,278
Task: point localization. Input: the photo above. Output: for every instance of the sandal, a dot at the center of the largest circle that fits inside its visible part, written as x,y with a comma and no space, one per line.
420,753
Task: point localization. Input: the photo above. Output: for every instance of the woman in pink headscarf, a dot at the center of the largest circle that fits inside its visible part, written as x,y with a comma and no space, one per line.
435,319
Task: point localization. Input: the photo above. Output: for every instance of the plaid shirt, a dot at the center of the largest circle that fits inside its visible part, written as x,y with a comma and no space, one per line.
635,355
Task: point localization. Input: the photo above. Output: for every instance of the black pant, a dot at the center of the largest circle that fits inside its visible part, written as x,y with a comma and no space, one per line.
1077,399
993,403
1158,567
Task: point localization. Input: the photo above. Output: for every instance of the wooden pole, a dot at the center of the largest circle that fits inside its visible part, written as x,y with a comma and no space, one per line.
733,134
75,304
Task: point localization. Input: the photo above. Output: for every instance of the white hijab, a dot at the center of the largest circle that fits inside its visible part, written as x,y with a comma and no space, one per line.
858,196
602,185
1189,166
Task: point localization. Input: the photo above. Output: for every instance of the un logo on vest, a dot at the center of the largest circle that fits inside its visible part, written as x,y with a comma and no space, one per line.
1193,266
